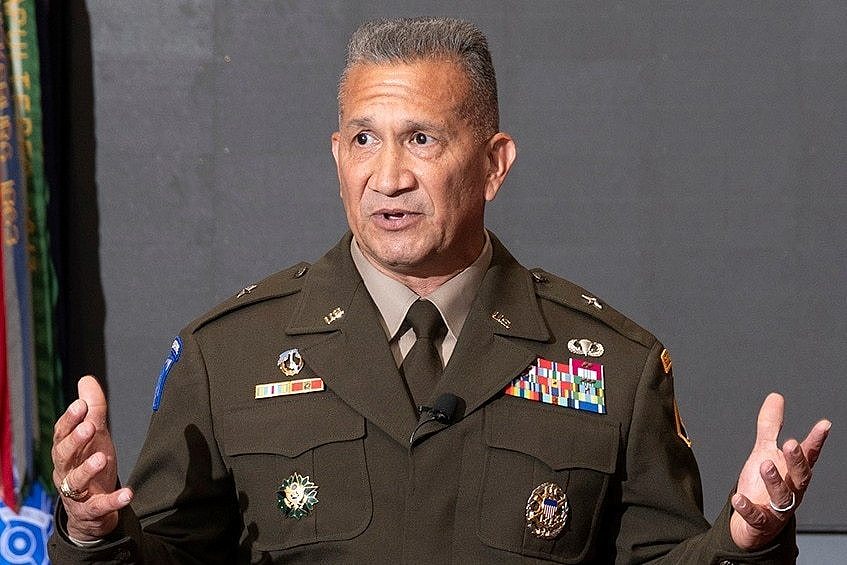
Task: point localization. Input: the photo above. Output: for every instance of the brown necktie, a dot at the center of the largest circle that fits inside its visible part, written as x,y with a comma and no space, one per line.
422,365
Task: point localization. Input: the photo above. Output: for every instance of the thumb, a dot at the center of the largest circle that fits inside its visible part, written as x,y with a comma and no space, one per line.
92,394
770,418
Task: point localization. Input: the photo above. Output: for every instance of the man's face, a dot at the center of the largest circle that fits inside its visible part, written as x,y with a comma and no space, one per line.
414,181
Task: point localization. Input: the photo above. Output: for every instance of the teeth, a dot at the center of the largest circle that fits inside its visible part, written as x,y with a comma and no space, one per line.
394,215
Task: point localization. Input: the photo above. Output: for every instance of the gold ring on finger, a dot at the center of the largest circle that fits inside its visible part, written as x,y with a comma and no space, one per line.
68,492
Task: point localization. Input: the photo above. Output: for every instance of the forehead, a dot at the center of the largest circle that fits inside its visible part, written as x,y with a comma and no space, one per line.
430,86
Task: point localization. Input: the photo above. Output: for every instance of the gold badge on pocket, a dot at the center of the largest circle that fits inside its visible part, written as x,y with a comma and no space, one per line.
547,511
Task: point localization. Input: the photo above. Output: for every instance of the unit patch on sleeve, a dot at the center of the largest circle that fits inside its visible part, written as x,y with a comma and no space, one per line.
576,384
170,361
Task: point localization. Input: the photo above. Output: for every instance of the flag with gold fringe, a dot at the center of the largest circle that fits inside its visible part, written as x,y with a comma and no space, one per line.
30,375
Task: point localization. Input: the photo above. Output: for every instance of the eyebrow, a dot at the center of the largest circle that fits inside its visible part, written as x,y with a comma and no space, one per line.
411,125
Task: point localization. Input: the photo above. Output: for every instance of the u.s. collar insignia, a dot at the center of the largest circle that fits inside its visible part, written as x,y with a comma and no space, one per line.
297,495
547,511
290,362
586,347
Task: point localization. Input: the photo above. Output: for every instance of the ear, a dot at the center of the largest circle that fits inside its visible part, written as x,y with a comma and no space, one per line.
335,139
502,151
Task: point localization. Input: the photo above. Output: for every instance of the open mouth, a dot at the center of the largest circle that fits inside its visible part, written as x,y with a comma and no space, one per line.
394,215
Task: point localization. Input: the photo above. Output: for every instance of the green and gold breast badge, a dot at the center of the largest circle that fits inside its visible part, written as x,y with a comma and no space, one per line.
297,495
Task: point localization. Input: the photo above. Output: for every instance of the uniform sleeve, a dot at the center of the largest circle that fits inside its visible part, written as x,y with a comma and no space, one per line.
661,517
185,508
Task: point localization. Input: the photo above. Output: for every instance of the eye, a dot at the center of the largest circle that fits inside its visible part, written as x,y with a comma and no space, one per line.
363,138
421,138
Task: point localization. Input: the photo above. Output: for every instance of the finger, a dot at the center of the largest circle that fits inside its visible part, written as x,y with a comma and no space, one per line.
68,451
80,478
92,394
69,420
753,514
769,422
799,472
779,492
90,519
813,444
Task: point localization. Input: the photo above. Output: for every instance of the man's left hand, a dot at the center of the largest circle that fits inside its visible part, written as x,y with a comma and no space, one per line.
773,480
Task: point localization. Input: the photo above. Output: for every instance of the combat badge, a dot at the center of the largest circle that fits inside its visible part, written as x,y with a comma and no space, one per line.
547,511
297,495
290,362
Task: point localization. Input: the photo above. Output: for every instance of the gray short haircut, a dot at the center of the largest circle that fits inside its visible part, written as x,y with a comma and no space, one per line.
408,40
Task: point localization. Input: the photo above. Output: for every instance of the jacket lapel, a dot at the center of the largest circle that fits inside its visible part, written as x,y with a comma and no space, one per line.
354,359
490,351
351,354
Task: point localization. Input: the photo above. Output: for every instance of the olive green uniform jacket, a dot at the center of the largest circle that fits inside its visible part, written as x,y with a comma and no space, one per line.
207,479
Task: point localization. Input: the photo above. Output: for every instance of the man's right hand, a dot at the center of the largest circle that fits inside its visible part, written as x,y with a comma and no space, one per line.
84,457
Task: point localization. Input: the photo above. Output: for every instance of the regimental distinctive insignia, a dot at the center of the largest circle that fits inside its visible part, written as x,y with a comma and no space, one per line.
287,388
547,511
334,315
585,347
576,384
246,290
170,361
667,363
297,495
290,362
503,320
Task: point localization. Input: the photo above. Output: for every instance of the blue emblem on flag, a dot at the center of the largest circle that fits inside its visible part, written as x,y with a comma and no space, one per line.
23,536
170,361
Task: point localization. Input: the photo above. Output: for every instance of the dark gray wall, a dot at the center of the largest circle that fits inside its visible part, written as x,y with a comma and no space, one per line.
686,162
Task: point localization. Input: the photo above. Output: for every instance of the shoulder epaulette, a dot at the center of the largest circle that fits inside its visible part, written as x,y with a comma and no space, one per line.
568,294
277,285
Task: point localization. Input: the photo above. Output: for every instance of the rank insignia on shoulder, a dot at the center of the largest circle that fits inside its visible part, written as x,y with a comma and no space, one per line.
290,362
297,495
547,511
576,384
246,290
287,388
170,361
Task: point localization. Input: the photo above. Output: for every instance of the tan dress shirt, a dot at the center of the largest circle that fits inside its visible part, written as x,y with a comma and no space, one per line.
393,299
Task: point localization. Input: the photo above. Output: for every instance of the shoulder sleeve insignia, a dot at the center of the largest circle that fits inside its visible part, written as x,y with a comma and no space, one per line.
170,361
680,427
666,361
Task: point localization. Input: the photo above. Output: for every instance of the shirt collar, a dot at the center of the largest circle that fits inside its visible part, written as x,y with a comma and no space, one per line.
453,298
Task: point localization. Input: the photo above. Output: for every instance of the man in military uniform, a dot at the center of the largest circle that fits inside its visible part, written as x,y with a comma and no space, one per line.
416,395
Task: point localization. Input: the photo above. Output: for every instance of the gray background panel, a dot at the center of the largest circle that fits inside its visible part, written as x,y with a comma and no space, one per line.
685,162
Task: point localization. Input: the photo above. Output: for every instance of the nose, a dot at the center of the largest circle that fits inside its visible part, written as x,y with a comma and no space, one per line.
391,174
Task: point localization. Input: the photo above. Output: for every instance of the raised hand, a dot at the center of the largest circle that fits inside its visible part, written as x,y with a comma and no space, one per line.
84,465
773,480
